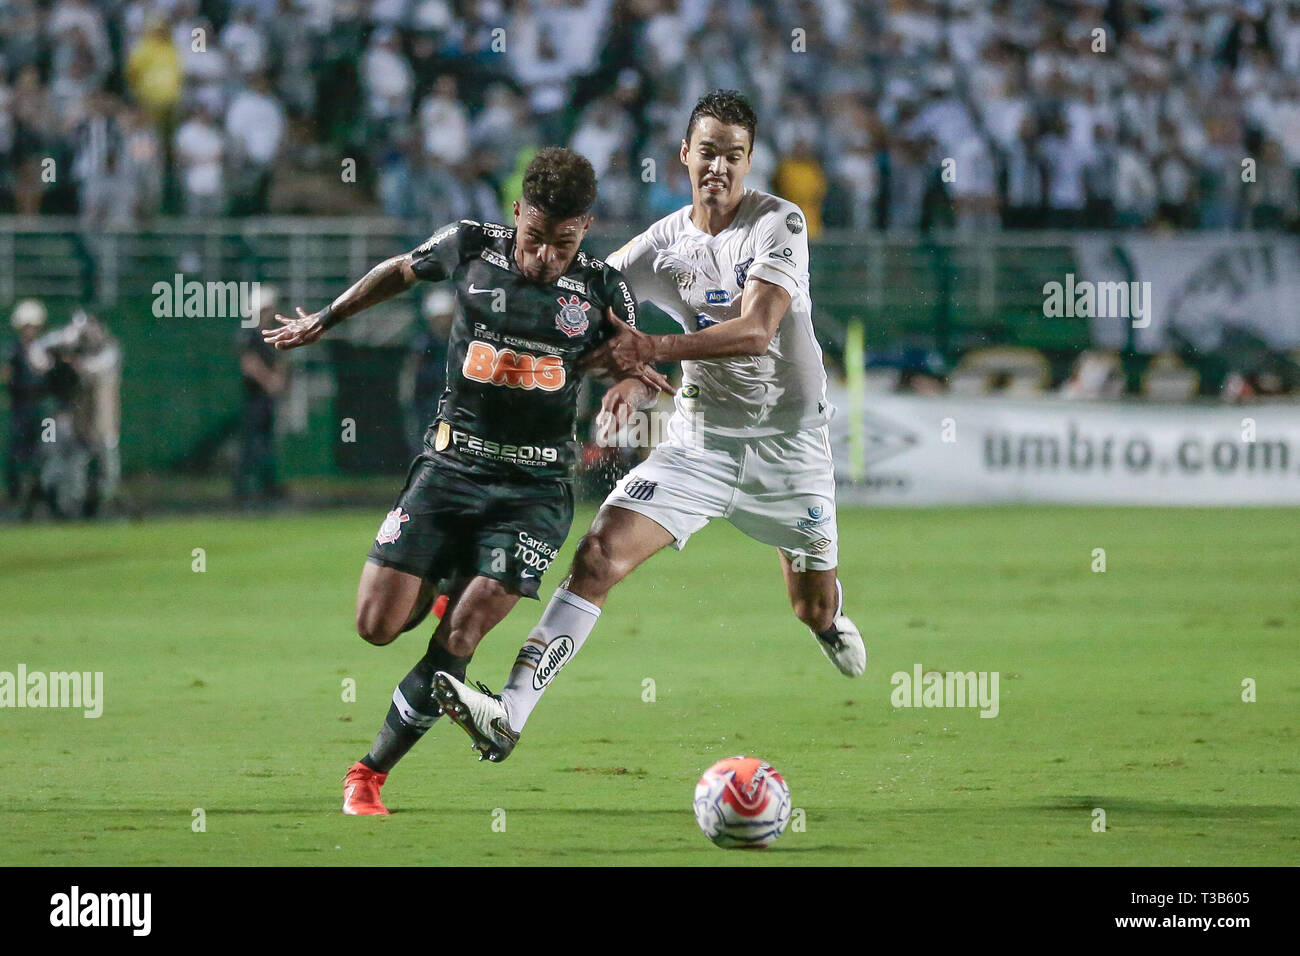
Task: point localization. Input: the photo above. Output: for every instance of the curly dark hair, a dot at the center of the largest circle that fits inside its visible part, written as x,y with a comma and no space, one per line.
727,106
560,182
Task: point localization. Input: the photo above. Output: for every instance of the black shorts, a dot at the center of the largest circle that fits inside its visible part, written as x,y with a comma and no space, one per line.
451,525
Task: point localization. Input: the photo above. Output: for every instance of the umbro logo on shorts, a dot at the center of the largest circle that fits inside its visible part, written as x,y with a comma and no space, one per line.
640,489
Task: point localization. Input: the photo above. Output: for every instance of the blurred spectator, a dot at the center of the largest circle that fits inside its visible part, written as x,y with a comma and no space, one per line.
77,31
265,376
974,186
153,73
541,70
603,131
1272,199
878,95
502,129
200,151
97,407
142,161
1025,193
6,140
1177,186
20,34
620,191
1100,180
387,79
205,68
670,191
801,180
24,378
293,43
858,179
905,183
254,128
444,123
110,199
1064,163
244,40
34,141
62,457
1136,189
97,142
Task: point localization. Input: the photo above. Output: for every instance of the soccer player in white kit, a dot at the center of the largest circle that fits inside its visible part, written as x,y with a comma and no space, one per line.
748,441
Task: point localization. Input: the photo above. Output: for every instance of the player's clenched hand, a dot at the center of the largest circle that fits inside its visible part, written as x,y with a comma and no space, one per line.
626,397
292,333
619,403
628,353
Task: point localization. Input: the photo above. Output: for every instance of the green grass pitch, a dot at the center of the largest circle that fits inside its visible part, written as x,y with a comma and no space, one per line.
1119,690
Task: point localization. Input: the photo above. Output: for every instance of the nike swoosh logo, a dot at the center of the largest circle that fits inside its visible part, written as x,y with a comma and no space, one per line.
474,291
504,730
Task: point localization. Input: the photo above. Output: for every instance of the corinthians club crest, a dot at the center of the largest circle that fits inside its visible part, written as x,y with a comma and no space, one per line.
391,529
572,317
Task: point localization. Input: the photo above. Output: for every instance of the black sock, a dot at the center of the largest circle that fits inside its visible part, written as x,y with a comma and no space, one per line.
413,709
830,636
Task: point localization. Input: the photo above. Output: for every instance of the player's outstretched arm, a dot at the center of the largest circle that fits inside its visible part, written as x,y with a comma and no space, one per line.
764,304
750,333
382,282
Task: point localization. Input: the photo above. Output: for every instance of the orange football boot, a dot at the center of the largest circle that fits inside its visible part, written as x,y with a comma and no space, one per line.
361,791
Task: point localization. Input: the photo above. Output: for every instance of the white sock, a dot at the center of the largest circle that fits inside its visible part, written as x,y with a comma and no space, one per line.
558,636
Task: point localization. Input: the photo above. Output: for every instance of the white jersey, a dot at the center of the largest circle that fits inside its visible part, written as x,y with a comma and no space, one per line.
698,280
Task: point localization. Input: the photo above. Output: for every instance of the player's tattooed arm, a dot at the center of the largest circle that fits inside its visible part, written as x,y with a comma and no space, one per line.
382,282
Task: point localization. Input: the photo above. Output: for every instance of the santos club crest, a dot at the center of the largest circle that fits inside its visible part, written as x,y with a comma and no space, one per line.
572,317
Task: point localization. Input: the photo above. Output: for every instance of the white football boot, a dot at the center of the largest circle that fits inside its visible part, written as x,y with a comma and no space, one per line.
844,648
479,713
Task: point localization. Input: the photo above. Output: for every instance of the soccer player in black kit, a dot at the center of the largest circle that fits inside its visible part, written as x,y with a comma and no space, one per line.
488,502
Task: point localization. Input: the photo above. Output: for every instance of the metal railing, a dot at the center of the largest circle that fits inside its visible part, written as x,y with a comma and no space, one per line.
938,287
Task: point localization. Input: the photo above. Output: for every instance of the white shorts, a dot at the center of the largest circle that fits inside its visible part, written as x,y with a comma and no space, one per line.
778,490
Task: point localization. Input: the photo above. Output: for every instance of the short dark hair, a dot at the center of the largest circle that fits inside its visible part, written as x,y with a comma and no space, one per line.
727,106
560,183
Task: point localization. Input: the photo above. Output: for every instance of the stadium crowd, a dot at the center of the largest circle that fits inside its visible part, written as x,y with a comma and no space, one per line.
1074,113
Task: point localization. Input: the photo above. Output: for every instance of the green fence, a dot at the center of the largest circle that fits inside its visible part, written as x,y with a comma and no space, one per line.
181,383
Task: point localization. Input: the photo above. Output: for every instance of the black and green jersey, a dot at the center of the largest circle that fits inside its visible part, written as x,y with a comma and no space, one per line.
512,387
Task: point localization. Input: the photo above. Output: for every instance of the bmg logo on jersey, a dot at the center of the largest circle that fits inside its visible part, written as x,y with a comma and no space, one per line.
489,365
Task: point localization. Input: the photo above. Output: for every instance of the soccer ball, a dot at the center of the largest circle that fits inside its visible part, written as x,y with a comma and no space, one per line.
742,802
